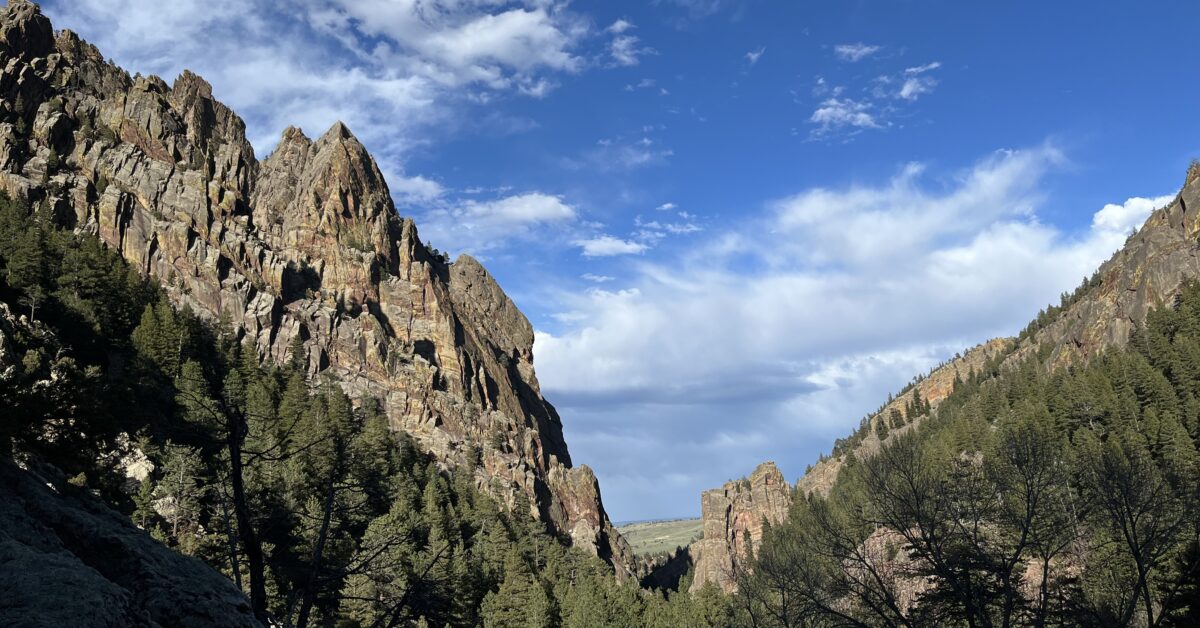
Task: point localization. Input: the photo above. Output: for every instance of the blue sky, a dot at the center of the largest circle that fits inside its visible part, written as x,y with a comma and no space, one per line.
735,225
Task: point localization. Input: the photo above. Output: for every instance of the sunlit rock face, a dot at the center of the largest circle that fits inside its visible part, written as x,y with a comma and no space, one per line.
306,242
733,524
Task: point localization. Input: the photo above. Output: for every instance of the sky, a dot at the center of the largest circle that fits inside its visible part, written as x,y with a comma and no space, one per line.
735,225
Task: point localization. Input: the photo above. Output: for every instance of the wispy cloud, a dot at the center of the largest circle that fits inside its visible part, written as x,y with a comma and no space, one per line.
483,226
916,81
621,154
625,48
608,246
754,55
855,52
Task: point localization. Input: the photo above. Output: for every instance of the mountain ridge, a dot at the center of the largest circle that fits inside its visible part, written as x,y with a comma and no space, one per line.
306,244
1147,271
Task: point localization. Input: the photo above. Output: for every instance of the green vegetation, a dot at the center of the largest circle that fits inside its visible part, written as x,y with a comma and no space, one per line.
661,537
307,502
1064,497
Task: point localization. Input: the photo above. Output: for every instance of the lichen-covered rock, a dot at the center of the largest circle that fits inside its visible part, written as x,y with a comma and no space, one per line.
733,523
304,243
68,560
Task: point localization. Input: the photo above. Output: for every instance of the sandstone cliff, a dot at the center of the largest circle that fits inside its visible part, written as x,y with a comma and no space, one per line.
304,243
734,517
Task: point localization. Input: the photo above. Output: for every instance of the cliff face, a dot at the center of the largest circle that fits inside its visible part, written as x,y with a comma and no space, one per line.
304,243
1147,272
733,523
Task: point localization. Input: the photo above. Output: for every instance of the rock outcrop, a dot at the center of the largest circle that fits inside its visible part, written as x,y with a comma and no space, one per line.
1147,272
734,517
305,243
66,559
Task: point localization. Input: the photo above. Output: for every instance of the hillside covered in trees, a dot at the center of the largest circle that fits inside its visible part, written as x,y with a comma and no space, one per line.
1032,496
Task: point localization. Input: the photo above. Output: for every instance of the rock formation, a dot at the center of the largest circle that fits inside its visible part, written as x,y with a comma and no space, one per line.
304,243
66,559
734,517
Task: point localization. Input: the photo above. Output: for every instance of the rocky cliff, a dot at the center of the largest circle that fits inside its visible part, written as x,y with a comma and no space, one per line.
66,559
1146,272
305,243
734,517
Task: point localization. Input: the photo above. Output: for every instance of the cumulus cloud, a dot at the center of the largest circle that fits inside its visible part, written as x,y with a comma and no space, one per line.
801,321
483,226
608,246
854,52
414,190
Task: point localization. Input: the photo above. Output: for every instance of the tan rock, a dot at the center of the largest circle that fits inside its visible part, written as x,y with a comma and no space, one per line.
306,242
734,518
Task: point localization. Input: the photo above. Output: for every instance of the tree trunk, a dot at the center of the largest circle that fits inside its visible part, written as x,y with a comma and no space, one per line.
310,591
250,543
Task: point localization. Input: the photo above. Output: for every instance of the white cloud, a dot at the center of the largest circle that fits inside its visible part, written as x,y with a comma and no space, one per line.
838,113
608,246
619,26
666,207
597,278
803,319
392,70
624,50
482,226
621,154
921,69
1120,220
754,55
915,83
414,189
855,52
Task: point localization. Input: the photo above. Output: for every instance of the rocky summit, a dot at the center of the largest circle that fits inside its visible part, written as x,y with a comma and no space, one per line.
304,244
734,517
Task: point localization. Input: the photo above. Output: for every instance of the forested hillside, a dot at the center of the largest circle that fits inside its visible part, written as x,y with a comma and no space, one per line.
1032,495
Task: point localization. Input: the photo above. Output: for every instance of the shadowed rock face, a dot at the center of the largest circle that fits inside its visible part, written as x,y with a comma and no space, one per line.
306,242
68,560
733,523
